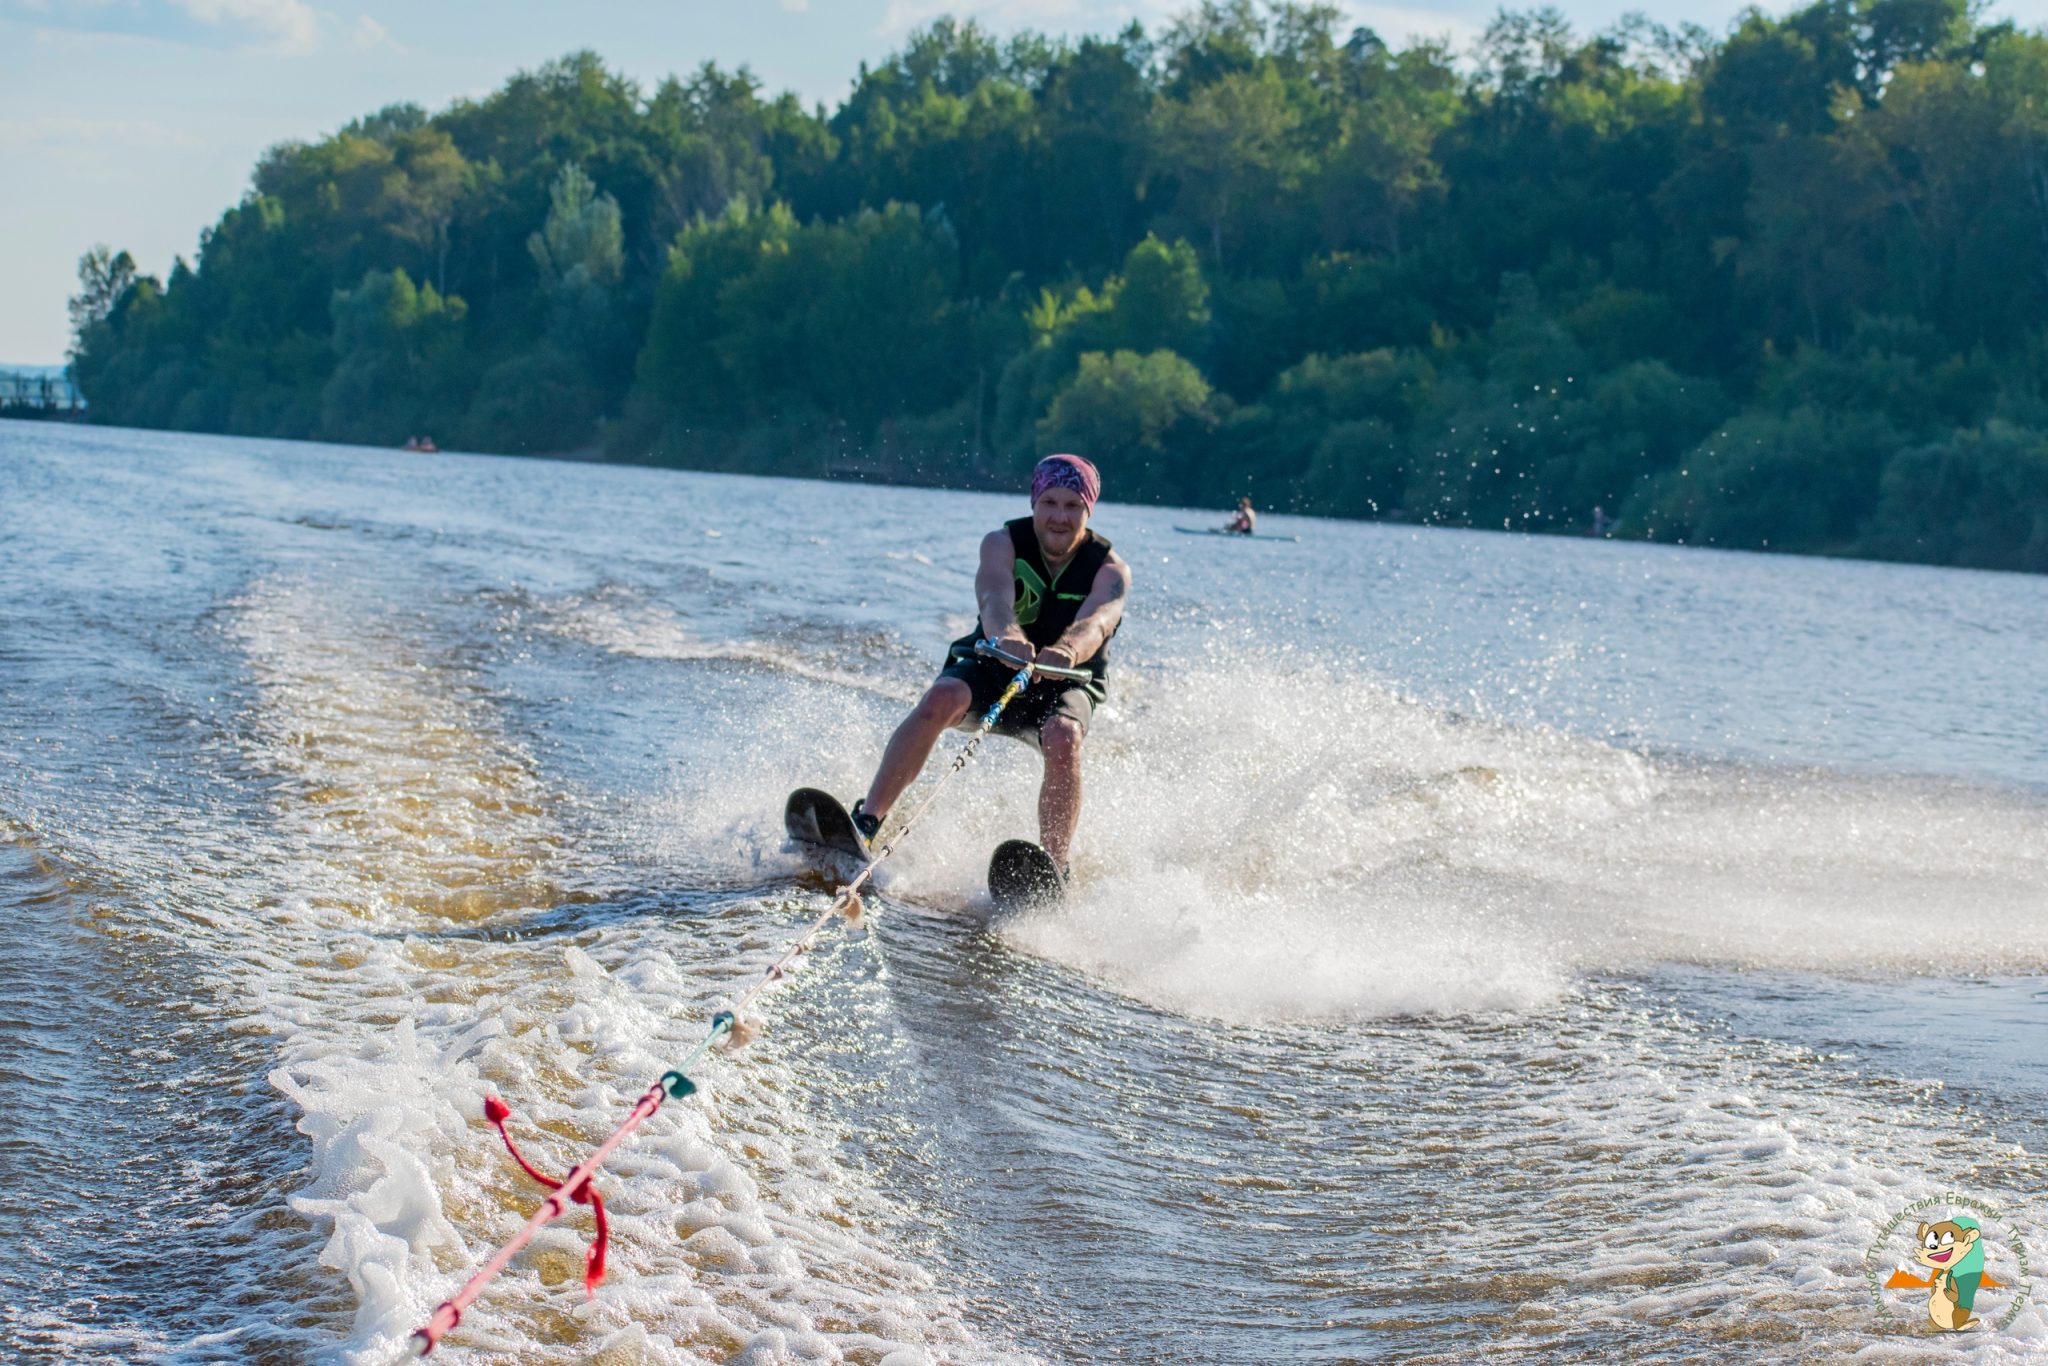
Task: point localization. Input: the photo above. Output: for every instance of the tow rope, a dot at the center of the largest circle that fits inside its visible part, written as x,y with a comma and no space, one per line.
729,1027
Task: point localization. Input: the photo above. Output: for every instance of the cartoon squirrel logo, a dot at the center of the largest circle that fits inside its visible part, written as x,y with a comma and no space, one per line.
1954,1251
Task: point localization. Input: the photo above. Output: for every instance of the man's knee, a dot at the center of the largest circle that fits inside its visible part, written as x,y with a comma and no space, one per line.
944,703
1060,739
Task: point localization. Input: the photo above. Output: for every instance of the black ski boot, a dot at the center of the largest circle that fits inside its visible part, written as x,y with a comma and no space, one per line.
868,826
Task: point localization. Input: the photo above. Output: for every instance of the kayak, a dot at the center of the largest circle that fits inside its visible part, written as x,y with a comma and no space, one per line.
1234,535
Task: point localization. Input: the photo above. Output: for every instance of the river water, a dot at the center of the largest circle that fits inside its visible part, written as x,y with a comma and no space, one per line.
1534,949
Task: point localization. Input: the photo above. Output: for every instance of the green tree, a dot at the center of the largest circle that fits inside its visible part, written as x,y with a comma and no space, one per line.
1384,166
1230,145
1133,413
1158,301
104,275
681,376
581,245
712,135
427,180
761,319
1806,480
580,256
537,401
1631,425
1339,428
1093,117
399,348
1976,498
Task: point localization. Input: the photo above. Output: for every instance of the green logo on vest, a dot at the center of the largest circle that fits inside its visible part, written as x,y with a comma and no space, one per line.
1030,593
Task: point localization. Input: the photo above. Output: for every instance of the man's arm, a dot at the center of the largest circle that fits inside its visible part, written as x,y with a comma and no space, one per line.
995,593
1097,622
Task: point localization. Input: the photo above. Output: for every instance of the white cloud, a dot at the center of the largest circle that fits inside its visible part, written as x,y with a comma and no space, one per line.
58,132
291,28
286,27
367,33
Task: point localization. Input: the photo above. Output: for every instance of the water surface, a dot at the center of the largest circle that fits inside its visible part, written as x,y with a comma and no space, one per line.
1541,949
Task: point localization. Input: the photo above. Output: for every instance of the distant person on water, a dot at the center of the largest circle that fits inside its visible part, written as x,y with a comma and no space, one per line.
1051,591
1246,520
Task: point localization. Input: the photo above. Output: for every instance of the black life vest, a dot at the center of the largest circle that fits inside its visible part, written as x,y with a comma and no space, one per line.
1048,604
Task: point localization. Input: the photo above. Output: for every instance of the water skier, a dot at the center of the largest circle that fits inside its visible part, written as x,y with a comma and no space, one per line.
1049,590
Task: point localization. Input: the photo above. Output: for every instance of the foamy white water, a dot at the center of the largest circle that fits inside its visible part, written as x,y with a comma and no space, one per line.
1531,949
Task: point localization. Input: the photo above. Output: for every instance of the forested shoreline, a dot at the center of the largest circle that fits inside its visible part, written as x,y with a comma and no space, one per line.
1784,288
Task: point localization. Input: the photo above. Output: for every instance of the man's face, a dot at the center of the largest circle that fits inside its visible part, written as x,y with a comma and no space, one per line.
1060,518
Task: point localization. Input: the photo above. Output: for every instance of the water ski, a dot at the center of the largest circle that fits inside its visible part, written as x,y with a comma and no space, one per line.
817,818
1235,535
1021,875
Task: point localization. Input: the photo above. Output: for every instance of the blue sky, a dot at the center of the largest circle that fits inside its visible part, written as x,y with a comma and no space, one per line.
136,122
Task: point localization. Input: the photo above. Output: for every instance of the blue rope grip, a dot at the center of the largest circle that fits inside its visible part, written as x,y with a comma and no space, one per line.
1017,685
678,1085
723,1021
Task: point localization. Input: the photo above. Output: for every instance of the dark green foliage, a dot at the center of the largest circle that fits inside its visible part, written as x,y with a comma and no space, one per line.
1338,427
1783,289
397,346
535,402
1806,479
1632,424
103,277
1974,498
1140,414
833,327
1158,301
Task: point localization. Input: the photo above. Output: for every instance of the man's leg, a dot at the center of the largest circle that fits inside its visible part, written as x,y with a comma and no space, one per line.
941,708
1059,795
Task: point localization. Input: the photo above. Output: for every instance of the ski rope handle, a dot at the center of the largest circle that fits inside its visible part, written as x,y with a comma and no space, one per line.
728,1025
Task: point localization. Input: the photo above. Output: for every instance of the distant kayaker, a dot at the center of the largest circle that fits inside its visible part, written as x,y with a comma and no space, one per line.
1246,520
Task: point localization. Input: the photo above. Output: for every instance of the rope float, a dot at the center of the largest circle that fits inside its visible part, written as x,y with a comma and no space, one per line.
729,1027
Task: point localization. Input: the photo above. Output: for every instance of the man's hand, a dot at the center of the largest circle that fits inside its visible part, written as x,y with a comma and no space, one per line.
1016,644
1055,657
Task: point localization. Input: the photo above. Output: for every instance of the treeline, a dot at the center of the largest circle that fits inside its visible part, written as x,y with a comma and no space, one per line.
1786,288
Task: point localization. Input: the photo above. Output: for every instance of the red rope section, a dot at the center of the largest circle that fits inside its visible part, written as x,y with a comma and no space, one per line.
497,1112
573,1188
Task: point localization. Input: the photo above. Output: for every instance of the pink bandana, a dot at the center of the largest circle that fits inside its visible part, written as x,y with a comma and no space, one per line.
1067,472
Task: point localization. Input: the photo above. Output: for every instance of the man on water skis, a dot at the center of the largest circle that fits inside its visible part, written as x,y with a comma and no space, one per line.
1050,591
